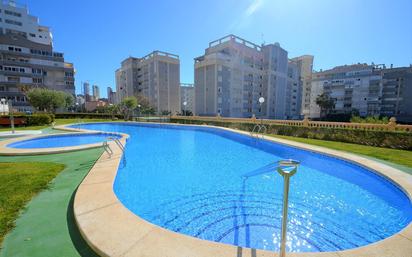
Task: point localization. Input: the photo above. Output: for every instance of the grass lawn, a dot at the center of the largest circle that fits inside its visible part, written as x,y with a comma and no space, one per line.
401,157
58,122
19,183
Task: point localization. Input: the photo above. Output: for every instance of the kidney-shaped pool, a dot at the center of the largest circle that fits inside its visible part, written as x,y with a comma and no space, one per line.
63,140
222,186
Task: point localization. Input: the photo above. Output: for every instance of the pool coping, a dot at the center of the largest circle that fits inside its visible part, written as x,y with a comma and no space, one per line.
9,151
112,230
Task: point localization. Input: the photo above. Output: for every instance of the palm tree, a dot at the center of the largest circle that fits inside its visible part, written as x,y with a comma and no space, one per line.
326,104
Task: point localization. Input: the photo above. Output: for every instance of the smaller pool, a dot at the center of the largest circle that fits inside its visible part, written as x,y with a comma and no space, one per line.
63,140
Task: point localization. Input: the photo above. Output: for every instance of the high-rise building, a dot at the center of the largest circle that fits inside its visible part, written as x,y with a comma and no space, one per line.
354,88
366,90
305,68
187,95
96,92
155,76
27,58
397,93
234,73
293,92
86,91
111,96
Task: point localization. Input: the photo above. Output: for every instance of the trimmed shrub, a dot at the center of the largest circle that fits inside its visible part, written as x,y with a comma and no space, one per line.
39,119
388,139
77,115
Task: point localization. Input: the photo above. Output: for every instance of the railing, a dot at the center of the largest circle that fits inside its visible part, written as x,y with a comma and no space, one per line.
107,149
258,129
118,143
391,126
121,146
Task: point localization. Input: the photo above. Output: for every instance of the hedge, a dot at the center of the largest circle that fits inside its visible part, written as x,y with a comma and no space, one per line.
387,139
77,115
39,119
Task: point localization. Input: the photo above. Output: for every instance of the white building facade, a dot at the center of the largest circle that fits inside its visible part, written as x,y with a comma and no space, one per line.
234,73
354,88
305,68
27,58
155,77
187,95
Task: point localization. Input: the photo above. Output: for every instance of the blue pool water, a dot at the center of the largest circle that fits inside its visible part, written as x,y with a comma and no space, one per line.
62,140
221,186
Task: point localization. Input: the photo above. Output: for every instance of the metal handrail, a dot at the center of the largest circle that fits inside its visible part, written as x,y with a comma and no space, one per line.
107,148
122,148
258,129
263,130
255,129
118,143
286,168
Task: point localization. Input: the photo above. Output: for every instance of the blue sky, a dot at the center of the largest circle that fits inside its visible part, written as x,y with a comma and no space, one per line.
98,35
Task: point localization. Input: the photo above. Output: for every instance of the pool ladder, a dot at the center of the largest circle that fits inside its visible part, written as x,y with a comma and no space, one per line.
118,143
109,150
258,130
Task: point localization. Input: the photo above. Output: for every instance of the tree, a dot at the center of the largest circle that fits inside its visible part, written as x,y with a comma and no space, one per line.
326,104
145,106
49,100
113,110
127,106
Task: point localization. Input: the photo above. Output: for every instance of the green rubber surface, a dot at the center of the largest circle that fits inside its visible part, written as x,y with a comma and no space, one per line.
46,227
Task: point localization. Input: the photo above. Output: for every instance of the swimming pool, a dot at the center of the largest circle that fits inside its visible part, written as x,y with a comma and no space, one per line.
64,140
220,186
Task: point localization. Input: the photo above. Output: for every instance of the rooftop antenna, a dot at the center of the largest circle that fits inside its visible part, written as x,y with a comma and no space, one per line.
263,39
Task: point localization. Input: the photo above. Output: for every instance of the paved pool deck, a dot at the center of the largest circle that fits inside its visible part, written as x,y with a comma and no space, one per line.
46,227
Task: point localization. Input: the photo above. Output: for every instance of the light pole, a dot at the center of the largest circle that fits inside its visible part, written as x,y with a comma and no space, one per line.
10,106
184,108
3,106
138,112
261,101
286,168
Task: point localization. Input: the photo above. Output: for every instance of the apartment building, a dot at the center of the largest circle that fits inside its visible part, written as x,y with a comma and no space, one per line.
293,92
397,93
155,76
234,73
365,89
111,96
187,95
354,88
27,57
305,68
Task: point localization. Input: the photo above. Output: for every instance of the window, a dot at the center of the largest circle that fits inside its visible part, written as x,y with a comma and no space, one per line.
13,79
18,23
12,13
37,80
32,35
36,71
